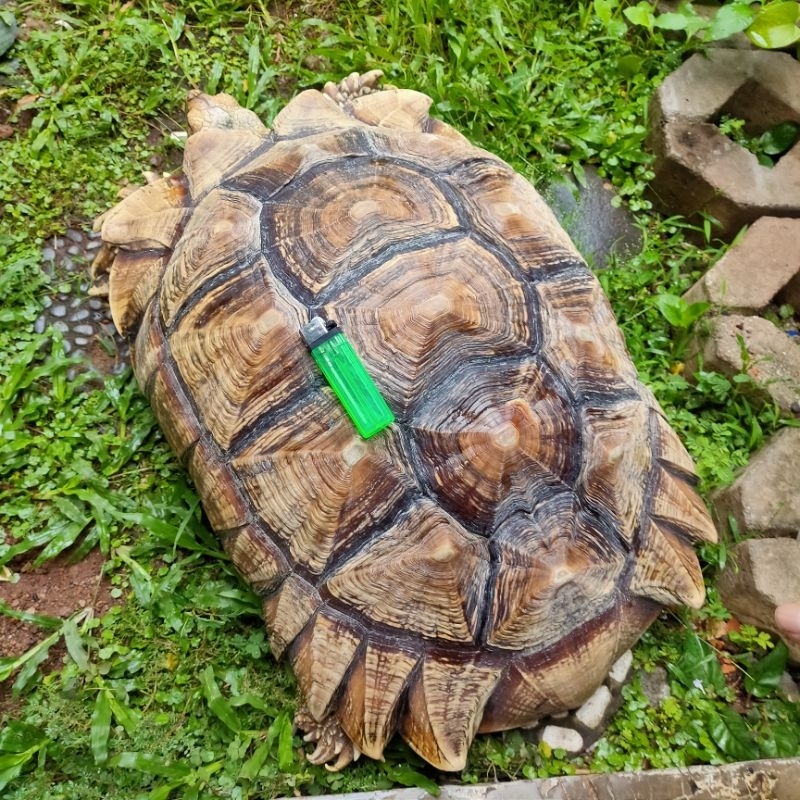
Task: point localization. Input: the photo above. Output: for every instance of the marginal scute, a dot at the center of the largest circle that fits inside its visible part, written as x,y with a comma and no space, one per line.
288,610
666,569
250,325
320,657
220,111
617,458
173,410
133,282
149,348
310,112
152,217
212,152
425,560
256,557
559,569
675,502
401,109
318,485
445,705
562,677
493,439
421,315
372,694
223,501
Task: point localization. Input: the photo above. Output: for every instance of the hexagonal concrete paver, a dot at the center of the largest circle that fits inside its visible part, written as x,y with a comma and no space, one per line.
698,168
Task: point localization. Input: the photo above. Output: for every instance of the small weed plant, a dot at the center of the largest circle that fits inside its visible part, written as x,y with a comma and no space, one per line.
173,693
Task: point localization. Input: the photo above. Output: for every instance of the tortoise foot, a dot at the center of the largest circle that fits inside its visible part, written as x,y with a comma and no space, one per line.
354,85
333,746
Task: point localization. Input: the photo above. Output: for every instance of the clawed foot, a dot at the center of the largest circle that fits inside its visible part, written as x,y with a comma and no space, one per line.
334,748
354,85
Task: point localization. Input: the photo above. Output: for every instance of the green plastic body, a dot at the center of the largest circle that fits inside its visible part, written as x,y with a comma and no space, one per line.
352,384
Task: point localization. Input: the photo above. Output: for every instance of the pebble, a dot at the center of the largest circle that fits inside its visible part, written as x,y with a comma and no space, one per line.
85,330
789,688
621,669
592,713
80,314
59,311
655,685
562,738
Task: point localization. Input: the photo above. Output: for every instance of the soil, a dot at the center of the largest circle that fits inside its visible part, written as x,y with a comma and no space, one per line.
57,589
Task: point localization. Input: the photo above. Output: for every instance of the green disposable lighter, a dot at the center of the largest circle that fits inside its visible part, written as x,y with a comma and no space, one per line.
348,378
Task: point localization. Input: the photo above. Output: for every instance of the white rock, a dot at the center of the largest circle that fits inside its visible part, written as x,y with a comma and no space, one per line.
593,711
621,668
562,739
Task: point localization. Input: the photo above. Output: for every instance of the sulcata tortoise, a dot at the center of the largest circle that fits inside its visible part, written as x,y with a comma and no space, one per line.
482,561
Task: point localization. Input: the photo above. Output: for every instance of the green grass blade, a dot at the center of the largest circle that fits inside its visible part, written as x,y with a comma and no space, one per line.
216,702
101,727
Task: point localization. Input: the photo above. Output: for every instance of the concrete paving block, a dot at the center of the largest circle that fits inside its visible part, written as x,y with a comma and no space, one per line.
760,575
768,779
773,357
750,275
698,168
765,497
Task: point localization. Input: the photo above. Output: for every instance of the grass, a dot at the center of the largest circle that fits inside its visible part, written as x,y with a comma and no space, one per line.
173,693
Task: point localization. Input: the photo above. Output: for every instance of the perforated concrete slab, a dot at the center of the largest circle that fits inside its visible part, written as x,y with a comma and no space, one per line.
698,168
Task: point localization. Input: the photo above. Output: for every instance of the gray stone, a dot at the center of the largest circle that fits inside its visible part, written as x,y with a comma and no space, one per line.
791,293
773,357
655,685
765,497
698,168
788,688
762,574
749,276
593,712
59,311
621,669
600,230
560,738
769,779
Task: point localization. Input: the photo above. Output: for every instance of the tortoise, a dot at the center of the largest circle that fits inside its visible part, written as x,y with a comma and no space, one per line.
483,561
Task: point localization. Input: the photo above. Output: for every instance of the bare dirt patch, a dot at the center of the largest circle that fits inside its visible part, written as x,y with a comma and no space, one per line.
57,589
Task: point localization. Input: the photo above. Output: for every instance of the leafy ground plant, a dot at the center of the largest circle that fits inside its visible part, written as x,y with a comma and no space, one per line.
172,693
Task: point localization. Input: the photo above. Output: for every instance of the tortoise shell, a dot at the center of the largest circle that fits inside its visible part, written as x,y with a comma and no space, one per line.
483,561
